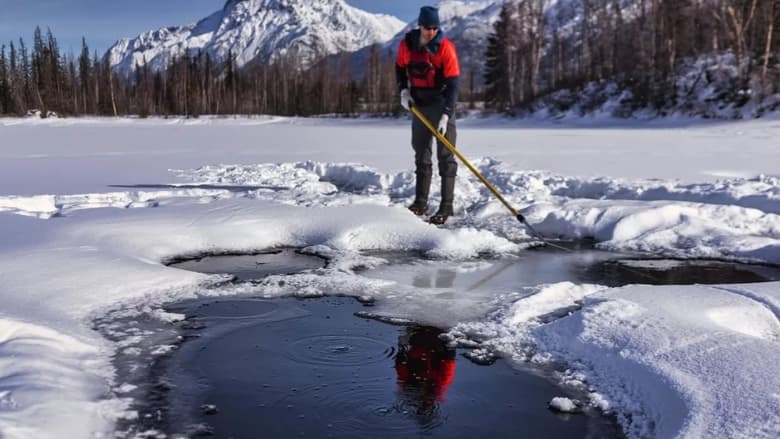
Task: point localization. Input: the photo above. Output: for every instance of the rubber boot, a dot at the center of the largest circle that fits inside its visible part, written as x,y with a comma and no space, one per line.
447,196
423,187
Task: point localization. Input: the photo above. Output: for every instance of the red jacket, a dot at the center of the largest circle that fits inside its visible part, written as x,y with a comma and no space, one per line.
432,70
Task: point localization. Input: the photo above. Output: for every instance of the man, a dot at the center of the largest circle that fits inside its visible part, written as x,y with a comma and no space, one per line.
427,72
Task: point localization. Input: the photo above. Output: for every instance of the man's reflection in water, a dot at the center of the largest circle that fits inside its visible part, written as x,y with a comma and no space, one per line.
425,367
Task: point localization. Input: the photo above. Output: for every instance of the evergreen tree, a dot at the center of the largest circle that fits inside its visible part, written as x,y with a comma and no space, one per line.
24,76
4,101
231,82
96,86
497,93
85,80
55,72
73,92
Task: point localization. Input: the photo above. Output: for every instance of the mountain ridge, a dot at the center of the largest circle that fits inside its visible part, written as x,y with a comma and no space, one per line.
263,30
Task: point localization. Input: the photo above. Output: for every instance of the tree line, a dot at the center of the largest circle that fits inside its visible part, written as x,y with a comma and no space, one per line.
43,79
530,53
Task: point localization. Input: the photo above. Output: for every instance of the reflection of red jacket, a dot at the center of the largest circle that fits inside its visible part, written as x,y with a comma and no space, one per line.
422,367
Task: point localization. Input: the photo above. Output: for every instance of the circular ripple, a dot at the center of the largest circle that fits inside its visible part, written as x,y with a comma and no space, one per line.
402,416
339,350
364,407
427,413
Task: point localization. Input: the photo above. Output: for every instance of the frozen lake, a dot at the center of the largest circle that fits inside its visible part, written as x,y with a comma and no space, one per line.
93,211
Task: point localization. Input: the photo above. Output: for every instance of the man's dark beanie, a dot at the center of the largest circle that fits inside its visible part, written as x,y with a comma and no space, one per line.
429,17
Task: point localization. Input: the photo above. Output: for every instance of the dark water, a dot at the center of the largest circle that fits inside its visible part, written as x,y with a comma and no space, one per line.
676,272
535,267
294,368
255,266
546,266
310,368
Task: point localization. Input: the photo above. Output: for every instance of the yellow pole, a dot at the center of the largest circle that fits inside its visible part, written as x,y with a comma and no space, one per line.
471,167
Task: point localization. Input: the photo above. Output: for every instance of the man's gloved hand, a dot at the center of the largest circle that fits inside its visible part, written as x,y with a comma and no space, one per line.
406,99
443,124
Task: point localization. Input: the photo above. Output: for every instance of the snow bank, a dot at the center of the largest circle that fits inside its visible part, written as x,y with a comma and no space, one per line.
677,361
652,217
633,216
47,378
673,361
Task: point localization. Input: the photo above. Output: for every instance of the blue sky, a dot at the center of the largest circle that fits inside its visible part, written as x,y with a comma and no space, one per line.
103,22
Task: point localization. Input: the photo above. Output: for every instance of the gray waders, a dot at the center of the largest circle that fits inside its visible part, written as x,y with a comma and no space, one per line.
422,143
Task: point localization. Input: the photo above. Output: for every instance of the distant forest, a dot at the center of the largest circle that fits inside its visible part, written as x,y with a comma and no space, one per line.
638,44
528,56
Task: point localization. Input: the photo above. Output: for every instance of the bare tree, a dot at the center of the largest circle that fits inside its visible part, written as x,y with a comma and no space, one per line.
740,14
773,13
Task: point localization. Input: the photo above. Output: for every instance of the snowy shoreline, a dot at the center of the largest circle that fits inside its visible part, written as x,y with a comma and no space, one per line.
689,361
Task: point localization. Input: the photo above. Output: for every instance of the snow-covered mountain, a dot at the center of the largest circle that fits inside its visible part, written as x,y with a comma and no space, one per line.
260,30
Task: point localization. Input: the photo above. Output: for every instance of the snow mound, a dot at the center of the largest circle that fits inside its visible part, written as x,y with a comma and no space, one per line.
664,358
709,221
563,405
671,361
45,377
